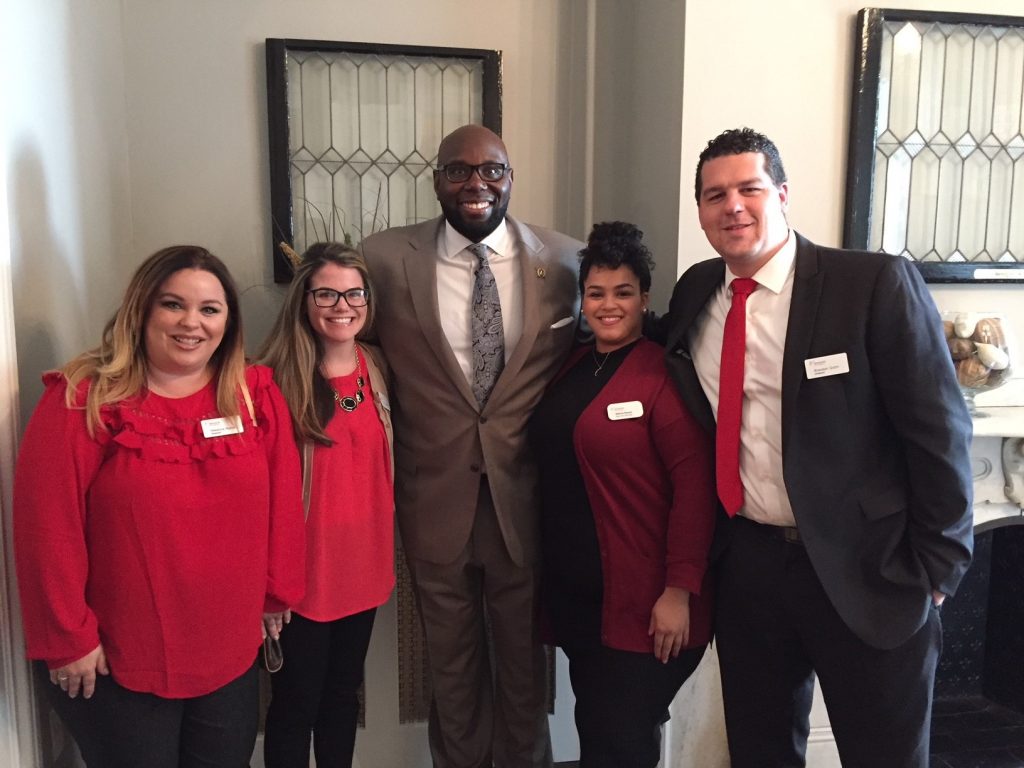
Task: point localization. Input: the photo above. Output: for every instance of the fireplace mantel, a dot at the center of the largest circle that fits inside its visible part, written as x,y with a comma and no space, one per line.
997,463
999,421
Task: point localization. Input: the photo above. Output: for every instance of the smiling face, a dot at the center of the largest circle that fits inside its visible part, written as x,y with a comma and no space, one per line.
473,207
186,323
614,306
742,212
341,323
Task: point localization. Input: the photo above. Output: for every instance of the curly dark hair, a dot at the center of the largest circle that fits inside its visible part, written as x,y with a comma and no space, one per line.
738,141
614,244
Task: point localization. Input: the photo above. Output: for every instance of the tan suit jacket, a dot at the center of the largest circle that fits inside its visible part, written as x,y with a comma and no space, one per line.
443,441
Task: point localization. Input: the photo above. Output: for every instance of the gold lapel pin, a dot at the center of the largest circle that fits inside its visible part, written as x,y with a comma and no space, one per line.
541,272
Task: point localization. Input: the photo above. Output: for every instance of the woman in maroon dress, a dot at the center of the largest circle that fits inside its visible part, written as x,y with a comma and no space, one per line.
627,515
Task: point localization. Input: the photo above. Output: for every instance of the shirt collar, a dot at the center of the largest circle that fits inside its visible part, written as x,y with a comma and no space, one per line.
774,274
454,243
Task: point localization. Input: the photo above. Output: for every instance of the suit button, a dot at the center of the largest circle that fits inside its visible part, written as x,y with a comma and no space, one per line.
483,419
474,467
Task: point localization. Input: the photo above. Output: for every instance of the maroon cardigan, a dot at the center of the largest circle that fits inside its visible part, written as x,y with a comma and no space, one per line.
650,482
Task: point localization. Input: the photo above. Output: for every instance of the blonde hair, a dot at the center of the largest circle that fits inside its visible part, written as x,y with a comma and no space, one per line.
294,350
116,369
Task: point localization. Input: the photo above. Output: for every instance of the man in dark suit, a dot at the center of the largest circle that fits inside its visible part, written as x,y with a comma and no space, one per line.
842,451
475,312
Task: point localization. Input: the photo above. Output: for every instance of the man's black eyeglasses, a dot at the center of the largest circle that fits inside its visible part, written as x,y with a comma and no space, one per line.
325,298
460,172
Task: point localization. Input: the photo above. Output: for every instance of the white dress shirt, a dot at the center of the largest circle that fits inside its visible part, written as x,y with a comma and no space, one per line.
455,277
764,489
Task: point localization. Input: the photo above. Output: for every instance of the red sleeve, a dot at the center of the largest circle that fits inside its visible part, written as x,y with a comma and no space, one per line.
56,466
685,449
286,563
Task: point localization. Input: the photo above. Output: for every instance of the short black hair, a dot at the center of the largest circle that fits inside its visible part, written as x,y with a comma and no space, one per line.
738,141
614,244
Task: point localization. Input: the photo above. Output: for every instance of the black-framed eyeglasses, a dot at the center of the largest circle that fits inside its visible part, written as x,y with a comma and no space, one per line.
460,172
325,298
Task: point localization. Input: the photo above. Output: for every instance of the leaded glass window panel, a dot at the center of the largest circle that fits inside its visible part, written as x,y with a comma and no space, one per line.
936,167
354,130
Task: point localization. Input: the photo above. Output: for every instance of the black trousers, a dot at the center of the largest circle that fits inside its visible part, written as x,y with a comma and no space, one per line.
775,628
118,728
622,700
316,691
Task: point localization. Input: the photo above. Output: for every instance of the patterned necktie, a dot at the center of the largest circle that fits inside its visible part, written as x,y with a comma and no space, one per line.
488,333
730,398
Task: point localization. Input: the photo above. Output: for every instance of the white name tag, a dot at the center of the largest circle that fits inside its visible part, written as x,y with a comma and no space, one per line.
633,409
222,426
830,365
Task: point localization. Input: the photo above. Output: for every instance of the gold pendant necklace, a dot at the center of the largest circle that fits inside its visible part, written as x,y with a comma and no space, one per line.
349,403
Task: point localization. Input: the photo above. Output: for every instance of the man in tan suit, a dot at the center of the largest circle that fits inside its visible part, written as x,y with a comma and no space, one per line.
475,312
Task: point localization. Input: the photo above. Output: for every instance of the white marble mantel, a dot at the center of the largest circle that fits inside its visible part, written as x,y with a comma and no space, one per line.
999,421
997,464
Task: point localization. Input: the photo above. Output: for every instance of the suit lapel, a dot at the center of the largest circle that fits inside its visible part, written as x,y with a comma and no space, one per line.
803,310
421,273
528,254
685,313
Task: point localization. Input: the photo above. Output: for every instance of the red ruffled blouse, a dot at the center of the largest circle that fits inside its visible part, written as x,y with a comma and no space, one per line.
162,544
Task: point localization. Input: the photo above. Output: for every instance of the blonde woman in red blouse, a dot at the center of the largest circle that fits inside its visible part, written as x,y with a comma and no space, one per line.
336,392
157,514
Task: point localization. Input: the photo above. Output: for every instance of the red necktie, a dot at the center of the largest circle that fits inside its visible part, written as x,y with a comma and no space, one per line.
730,398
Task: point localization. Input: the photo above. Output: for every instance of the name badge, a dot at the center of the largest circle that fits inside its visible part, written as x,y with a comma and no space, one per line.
632,409
830,365
222,426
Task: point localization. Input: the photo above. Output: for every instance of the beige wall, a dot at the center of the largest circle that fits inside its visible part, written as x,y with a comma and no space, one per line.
67,177
637,124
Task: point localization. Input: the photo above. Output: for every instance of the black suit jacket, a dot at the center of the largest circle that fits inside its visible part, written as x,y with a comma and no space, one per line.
876,460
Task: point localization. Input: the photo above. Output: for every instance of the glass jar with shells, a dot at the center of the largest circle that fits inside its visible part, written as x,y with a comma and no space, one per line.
979,343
